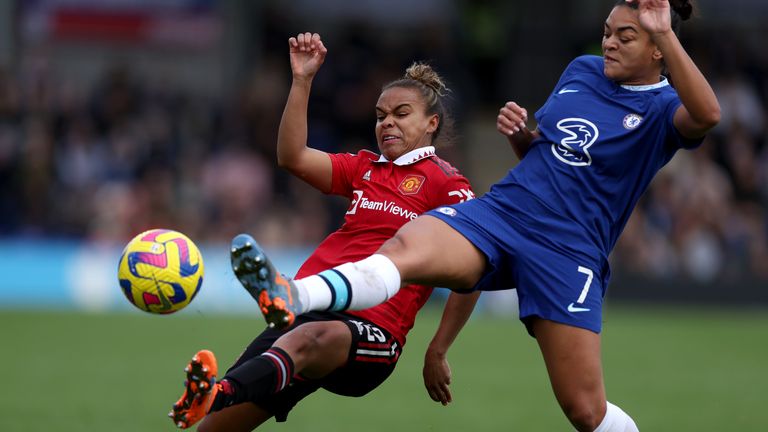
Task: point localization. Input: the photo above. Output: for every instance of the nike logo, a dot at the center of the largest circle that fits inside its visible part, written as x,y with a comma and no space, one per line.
572,308
166,304
565,90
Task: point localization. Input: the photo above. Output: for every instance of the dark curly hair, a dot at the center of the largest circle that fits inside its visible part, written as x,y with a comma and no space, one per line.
680,10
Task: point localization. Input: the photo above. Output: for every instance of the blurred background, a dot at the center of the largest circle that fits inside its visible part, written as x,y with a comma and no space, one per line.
118,116
123,115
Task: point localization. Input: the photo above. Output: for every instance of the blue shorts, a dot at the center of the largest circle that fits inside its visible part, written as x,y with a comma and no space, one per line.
556,279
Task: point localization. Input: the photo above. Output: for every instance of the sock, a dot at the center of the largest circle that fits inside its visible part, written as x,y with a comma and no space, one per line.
352,286
255,379
616,420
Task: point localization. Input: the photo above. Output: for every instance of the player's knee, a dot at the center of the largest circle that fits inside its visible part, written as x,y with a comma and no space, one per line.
409,253
394,246
310,340
584,415
307,339
317,348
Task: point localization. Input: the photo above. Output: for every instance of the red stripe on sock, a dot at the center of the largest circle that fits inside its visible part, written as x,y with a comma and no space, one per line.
286,363
279,370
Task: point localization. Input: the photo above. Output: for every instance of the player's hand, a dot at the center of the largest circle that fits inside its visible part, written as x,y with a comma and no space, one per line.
512,118
307,54
653,15
437,377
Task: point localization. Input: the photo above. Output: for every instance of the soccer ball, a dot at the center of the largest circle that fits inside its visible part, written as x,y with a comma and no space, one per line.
160,271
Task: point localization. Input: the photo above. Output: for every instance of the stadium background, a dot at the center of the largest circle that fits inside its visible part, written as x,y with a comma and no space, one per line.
123,115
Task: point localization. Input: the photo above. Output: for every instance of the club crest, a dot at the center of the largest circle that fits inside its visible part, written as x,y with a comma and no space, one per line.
632,121
411,184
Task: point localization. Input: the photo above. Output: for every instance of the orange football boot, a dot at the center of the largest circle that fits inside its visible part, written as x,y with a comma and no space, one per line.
201,389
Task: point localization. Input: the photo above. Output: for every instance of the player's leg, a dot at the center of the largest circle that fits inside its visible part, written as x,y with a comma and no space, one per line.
561,302
349,356
311,350
203,384
197,400
248,416
428,251
317,348
201,390
572,357
425,250
372,358
243,417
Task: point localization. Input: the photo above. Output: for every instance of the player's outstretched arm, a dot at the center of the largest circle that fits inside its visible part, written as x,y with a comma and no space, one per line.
437,372
700,110
511,122
307,53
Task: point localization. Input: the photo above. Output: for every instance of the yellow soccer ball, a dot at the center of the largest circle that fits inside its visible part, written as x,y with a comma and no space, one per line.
160,271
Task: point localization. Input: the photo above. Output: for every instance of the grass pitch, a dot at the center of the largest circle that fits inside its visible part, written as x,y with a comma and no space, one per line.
670,368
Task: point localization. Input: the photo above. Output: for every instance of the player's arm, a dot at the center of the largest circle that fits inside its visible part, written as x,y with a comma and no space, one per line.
307,54
700,110
437,372
511,122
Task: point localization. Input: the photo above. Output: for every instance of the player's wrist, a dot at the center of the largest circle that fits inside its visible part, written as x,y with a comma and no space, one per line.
302,81
662,36
436,351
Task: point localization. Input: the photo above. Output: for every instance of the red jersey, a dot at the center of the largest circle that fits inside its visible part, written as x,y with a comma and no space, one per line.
384,196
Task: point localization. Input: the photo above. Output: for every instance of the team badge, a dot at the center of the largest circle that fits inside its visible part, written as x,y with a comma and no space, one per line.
367,175
411,184
632,121
449,211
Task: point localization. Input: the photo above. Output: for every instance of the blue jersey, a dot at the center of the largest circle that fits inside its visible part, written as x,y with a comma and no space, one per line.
548,227
601,144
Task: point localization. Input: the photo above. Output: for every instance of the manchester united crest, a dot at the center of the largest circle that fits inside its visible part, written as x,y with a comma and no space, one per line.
411,184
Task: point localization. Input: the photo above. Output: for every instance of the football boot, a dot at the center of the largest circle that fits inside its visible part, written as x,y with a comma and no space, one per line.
200,390
276,294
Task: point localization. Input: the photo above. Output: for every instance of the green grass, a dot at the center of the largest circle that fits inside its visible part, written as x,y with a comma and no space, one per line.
690,370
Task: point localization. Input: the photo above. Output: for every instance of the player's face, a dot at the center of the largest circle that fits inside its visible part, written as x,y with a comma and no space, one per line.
402,123
630,55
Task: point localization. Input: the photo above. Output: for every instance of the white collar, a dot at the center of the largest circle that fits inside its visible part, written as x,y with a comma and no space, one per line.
412,156
662,83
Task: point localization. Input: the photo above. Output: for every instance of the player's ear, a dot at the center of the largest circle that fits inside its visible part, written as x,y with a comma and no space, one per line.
434,122
657,55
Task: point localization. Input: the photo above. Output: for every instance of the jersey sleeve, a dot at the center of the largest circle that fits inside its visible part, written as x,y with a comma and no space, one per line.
345,168
454,190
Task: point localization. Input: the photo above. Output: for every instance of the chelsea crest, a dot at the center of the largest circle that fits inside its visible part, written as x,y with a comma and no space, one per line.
632,121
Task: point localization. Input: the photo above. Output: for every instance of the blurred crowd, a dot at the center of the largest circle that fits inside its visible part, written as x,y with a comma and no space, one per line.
706,214
123,154
105,161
